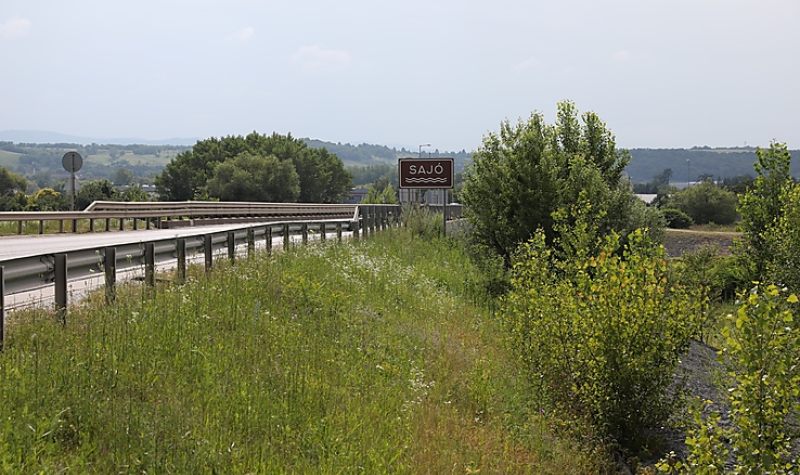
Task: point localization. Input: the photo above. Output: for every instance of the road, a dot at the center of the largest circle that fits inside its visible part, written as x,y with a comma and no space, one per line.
23,246
12,247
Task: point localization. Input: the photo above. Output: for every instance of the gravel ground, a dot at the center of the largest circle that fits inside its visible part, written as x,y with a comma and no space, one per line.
678,241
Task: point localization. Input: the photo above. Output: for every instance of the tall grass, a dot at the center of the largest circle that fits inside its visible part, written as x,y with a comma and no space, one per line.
373,357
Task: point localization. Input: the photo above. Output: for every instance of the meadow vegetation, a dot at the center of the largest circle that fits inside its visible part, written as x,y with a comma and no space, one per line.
377,356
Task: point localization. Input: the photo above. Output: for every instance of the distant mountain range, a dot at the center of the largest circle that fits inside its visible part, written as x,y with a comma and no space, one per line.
48,137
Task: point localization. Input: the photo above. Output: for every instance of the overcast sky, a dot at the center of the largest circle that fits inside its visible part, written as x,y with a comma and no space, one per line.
661,73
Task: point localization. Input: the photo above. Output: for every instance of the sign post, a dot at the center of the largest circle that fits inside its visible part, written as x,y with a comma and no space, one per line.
72,162
428,174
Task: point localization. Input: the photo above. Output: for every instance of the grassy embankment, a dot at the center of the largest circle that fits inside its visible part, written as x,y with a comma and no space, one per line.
378,356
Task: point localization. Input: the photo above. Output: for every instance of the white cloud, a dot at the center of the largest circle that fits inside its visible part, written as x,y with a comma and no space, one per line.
15,27
621,56
315,58
526,64
245,34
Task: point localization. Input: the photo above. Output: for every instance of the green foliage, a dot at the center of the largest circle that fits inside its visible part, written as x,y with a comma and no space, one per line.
47,199
527,172
17,201
95,190
783,241
134,193
422,222
761,207
381,192
11,183
706,203
676,218
762,353
601,334
322,177
249,177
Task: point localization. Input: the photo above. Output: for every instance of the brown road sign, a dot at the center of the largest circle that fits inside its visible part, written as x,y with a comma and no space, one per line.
426,173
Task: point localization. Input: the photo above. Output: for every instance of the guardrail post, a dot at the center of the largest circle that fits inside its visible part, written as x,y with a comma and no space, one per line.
322,231
150,264
286,237
2,306
60,284
91,225
339,232
74,225
19,227
147,223
61,226
268,239
108,224
135,224
251,242
181,254
304,230
208,251
231,241
122,224
110,269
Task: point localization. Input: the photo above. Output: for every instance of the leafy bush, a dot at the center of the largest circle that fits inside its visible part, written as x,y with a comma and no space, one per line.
706,203
527,172
676,218
601,334
762,353
705,266
762,206
784,242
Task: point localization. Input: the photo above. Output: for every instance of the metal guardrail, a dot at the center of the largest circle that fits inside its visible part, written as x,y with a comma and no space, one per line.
58,269
161,214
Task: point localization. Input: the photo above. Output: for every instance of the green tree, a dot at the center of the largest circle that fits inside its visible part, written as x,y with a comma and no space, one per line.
706,203
783,242
762,206
47,199
250,177
95,190
123,176
380,192
523,175
10,182
134,193
322,177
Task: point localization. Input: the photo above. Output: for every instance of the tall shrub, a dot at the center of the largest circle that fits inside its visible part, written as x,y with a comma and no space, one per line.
528,171
601,334
762,355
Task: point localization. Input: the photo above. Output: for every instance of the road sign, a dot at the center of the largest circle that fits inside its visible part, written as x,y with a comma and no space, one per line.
431,173
72,161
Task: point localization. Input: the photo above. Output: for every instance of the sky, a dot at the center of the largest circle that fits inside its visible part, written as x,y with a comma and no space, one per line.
660,73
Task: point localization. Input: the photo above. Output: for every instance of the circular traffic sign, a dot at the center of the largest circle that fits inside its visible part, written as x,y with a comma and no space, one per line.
72,161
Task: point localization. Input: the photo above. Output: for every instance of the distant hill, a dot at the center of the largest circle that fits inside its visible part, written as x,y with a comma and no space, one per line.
368,154
37,155
49,137
715,162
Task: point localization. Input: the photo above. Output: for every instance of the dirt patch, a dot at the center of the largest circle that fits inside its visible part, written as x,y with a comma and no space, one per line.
679,241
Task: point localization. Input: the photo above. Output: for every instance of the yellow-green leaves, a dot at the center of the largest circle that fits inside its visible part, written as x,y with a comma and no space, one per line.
602,334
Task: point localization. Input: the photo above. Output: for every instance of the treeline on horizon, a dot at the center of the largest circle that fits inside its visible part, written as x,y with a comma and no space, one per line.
41,163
